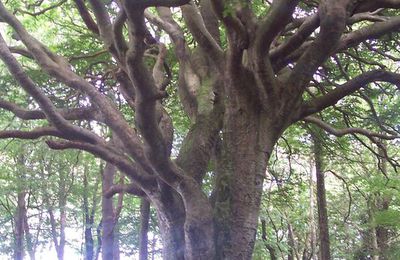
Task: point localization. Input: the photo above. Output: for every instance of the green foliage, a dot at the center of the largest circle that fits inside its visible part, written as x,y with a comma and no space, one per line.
389,218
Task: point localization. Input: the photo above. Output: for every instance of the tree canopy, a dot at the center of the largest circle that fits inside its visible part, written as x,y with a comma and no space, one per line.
210,109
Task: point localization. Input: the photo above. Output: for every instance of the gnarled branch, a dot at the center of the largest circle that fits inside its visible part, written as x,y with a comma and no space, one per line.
345,131
332,97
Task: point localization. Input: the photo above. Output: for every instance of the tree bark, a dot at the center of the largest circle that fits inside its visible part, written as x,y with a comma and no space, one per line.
292,249
313,238
62,200
382,236
98,247
374,245
31,248
108,216
144,229
19,226
171,219
20,218
321,197
116,250
382,204
89,221
270,248
256,96
247,144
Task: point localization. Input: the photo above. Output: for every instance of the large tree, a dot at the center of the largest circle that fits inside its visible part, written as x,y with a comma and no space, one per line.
245,71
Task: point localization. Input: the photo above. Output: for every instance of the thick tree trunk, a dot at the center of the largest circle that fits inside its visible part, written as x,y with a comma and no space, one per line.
144,229
108,217
173,238
171,220
321,199
247,144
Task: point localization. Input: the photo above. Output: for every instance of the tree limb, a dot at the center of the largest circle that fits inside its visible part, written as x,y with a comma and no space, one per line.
131,188
197,27
156,3
188,82
57,67
32,134
132,170
372,5
44,102
82,113
103,22
346,41
278,17
346,131
147,95
373,31
231,22
86,17
333,16
332,97
43,10
298,38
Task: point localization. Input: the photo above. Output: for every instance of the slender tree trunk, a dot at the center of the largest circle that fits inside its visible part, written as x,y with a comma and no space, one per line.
321,199
108,217
58,235
53,224
61,245
144,229
19,226
382,204
98,234
54,235
89,243
313,238
110,214
291,245
271,249
29,238
117,213
62,198
374,245
20,217
382,238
